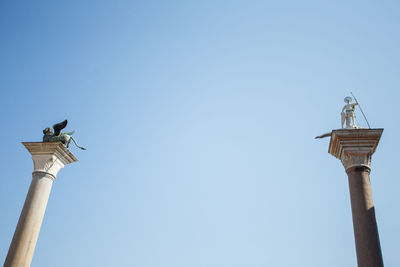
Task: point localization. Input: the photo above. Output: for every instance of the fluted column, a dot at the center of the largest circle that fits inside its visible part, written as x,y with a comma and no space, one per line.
48,159
354,147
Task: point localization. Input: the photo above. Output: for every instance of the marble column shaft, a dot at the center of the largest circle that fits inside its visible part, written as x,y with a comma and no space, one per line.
48,159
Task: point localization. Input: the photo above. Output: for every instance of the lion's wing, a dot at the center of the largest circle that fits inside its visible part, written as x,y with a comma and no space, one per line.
59,126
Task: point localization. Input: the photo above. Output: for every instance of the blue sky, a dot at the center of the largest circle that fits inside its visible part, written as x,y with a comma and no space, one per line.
199,118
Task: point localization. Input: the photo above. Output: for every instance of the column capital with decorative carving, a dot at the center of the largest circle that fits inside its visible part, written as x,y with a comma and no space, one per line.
49,157
354,147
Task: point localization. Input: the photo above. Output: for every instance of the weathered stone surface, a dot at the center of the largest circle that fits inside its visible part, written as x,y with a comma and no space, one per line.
364,222
48,159
354,147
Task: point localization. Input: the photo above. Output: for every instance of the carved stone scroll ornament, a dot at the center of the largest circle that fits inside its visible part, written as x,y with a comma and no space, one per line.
356,159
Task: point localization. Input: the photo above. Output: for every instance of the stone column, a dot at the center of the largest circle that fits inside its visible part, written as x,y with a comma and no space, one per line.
48,159
354,147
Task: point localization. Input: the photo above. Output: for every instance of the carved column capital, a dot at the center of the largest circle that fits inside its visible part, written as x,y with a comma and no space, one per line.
354,147
356,159
49,157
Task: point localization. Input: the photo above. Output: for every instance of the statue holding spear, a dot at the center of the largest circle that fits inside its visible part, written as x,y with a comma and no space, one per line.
348,116
348,113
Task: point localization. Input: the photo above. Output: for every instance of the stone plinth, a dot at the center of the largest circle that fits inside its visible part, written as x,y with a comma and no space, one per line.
48,159
354,147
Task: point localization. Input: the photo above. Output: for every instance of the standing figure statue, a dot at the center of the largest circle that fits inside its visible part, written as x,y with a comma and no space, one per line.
348,114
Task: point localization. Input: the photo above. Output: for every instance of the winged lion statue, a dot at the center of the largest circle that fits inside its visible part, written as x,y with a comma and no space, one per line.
58,136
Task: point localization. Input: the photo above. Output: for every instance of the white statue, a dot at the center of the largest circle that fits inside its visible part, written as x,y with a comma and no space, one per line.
348,114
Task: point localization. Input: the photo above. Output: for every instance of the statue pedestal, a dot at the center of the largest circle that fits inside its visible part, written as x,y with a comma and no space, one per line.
48,159
354,147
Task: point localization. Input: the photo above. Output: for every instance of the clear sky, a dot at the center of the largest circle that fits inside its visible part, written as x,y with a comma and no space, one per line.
199,119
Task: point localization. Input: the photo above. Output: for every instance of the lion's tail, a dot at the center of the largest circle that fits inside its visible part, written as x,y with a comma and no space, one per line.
77,144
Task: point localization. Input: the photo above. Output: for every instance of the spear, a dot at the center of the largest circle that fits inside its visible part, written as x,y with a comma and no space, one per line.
361,109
